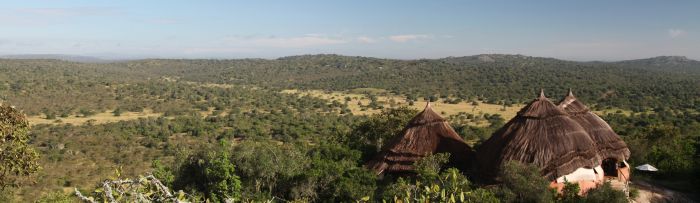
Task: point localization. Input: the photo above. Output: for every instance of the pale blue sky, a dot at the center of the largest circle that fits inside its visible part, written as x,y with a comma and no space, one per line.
576,30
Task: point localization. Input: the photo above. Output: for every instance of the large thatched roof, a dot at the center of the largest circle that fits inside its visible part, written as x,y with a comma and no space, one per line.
540,134
607,141
427,133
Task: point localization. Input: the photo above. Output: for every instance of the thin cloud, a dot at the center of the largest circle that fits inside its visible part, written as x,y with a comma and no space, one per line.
27,17
315,35
366,40
284,42
409,37
205,50
71,11
674,33
163,21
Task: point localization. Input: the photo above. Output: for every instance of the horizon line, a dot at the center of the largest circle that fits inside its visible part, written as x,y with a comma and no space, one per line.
136,58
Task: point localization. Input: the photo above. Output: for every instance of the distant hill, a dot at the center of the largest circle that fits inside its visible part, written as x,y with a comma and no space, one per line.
663,61
659,81
671,63
63,57
493,58
654,63
495,78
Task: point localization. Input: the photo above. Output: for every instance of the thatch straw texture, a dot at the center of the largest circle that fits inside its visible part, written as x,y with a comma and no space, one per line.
427,133
540,134
607,142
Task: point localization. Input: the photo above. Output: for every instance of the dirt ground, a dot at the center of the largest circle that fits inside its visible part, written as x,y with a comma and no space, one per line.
653,193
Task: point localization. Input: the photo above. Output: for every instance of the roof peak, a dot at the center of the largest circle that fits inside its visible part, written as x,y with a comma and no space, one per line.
542,94
540,107
428,115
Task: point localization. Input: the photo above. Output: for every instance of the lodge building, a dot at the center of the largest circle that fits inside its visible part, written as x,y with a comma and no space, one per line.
567,142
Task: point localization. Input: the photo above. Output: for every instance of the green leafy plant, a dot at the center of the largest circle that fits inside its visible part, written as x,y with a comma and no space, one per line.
450,186
606,194
523,183
428,168
17,158
211,174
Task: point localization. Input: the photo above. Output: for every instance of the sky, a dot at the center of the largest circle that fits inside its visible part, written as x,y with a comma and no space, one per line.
402,29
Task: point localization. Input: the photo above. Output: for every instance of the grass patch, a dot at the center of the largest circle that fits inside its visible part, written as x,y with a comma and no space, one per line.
98,118
359,100
367,91
357,103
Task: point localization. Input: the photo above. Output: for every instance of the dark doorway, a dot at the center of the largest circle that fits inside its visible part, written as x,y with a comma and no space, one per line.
610,167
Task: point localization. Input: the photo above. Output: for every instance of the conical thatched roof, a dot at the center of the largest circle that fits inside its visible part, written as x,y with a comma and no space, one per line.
540,134
427,133
607,141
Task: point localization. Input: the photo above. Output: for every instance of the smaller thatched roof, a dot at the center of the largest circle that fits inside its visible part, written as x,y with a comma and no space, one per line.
427,133
607,142
540,134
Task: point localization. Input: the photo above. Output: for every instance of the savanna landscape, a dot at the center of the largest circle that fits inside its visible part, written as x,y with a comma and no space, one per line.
230,102
113,120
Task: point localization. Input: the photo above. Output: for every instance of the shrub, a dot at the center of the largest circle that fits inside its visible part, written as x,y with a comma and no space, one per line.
211,174
55,197
86,112
369,136
523,183
117,112
355,184
605,194
570,193
428,168
449,186
18,159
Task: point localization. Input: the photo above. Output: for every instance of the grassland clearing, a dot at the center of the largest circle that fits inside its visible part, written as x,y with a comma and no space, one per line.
357,103
98,118
358,100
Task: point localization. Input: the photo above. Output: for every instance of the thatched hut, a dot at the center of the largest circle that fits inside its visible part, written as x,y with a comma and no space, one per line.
427,133
543,135
611,148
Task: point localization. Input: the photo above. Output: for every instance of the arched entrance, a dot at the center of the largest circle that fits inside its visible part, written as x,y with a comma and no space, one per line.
609,167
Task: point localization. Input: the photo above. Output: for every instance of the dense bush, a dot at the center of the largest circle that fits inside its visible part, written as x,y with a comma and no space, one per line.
211,174
17,158
606,194
370,135
432,186
523,183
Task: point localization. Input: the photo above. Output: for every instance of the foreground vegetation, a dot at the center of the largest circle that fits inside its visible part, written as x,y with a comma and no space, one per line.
219,129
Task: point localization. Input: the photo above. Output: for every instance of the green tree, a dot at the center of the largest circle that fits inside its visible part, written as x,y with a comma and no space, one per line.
605,194
117,112
163,173
370,135
671,151
428,168
569,193
334,176
264,166
354,184
17,158
523,183
450,186
87,112
211,174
